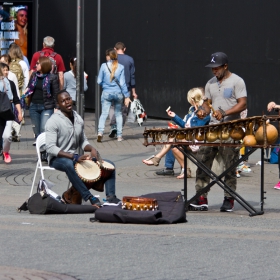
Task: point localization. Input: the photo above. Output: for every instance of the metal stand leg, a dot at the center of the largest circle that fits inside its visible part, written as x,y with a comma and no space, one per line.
218,179
185,177
262,180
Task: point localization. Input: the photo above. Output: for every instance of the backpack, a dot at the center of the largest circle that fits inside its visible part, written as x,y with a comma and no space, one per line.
16,68
52,59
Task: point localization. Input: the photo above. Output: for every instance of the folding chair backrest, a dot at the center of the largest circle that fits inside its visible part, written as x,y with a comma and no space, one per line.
40,141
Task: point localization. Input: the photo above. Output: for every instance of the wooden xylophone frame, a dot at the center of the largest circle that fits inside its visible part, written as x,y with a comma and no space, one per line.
156,134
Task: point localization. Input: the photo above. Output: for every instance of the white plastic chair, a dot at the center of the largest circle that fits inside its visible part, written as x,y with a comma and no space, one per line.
41,141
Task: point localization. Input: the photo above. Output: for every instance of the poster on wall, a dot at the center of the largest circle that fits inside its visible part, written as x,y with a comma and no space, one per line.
15,25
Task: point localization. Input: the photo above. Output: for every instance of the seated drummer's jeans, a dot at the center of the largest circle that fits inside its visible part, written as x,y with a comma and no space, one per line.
66,165
110,184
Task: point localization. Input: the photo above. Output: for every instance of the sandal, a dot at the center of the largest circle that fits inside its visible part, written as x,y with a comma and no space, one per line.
155,160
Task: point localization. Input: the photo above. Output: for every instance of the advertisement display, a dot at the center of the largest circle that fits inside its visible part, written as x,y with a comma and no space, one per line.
15,25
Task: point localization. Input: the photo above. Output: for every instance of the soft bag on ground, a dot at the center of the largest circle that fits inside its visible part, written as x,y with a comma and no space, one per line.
45,204
171,210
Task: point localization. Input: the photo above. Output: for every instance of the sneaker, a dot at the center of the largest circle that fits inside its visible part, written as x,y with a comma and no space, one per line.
246,169
7,158
99,138
95,201
112,200
277,186
120,139
113,132
16,139
237,174
166,172
200,204
228,205
243,168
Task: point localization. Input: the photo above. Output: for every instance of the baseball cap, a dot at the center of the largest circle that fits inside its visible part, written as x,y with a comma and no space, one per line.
217,59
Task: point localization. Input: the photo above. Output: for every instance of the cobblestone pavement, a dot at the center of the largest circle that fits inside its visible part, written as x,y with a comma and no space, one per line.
211,245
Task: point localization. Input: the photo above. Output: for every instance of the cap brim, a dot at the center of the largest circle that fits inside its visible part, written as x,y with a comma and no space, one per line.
213,65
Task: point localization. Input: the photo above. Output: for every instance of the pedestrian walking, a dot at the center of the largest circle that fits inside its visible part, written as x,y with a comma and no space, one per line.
70,81
41,94
6,126
129,73
111,78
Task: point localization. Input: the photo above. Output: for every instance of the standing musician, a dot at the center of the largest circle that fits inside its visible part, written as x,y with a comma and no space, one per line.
227,93
64,136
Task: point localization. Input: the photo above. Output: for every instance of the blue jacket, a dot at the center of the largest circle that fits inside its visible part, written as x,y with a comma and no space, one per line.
195,121
111,87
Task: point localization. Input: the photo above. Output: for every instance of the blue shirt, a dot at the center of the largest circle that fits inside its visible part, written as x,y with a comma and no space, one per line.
103,79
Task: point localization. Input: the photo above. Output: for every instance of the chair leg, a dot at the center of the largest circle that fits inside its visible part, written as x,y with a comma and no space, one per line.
34,178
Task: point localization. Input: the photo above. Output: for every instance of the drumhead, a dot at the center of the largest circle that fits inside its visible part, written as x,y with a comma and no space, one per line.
88,170
108,165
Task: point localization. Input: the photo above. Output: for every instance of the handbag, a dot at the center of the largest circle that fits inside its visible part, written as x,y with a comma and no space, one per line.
6,110
137,108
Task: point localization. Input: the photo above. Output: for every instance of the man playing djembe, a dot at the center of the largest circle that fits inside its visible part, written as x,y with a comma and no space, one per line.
64,136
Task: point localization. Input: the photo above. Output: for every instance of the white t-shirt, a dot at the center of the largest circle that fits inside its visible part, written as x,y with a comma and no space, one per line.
25,74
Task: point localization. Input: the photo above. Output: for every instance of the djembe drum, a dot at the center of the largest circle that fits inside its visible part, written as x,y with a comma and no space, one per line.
93,174
88,171
106,169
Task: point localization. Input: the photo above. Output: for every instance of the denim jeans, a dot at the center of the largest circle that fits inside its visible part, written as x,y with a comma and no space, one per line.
2,128
113,117
106,100
66,165
39,116
7,137
169,160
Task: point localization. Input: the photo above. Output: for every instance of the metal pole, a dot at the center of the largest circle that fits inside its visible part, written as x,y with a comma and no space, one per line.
80,58
97,91
35,39
80,62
